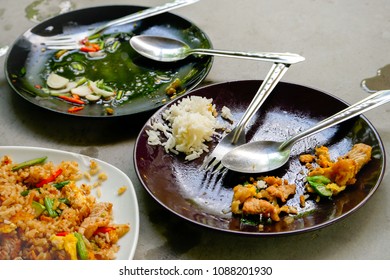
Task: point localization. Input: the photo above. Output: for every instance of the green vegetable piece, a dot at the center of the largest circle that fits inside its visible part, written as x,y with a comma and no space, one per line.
80,246
114,46
23,71
119,94
77,66
29,163
81,81
49,203
60,185
94,36
64,200
318,183
25,193
38,208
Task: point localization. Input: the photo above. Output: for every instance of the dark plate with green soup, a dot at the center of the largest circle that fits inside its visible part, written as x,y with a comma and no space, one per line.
137,84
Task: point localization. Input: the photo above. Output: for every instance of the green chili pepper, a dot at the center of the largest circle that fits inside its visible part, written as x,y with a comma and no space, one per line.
29,163
80,246
49,203
318,183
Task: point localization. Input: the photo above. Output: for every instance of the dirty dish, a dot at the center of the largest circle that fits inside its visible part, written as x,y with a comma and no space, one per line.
265,156
125,206
141,85
205,199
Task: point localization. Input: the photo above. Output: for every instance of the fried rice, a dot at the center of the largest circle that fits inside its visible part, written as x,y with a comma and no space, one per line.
45,214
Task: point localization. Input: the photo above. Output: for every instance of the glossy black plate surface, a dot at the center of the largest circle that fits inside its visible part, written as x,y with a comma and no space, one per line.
27,61
203,199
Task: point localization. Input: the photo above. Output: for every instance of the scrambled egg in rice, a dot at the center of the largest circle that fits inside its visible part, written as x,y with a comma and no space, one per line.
44,214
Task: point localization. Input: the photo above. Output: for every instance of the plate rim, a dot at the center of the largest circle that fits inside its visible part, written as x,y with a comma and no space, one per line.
135,228
264,234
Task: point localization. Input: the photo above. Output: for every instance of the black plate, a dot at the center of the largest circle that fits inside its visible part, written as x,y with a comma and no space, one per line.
26,61
203,199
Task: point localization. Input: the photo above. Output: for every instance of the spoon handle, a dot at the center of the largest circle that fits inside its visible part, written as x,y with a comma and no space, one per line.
273,77
286,58
146,13
368,103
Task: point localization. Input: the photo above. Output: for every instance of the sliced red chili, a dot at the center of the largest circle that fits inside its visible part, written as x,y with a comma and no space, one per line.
51,178
103,230
87,49
62,233
75,109
71,99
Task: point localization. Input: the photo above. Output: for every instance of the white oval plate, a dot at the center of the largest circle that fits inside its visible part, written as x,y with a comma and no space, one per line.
125,206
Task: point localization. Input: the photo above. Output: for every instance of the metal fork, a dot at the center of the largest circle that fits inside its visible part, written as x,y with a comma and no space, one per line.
72,41
237,135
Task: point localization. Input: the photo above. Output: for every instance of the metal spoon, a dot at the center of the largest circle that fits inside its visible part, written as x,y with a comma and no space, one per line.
263,156
169,50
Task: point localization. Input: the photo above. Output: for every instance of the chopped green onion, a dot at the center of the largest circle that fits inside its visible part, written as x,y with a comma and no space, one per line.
83,80
77,66
94,36
115,46
119,94
101,45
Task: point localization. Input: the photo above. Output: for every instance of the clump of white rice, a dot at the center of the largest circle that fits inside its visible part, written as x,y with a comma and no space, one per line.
188,125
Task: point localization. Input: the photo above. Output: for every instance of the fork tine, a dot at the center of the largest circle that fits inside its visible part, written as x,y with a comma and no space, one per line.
62,37
213,164
60,47
60,42
219,169
206,162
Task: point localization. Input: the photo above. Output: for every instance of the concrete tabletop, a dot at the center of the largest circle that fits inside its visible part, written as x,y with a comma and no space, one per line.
343,42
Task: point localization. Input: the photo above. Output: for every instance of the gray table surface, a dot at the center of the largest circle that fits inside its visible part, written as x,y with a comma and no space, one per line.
343,42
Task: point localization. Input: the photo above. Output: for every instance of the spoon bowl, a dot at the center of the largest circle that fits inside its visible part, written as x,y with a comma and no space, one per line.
264,156
166,49
271,157
160,48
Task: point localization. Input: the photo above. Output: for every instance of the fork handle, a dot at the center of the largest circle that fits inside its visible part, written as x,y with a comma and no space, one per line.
145,13
273,77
